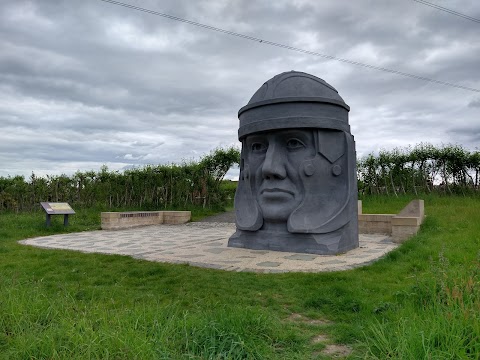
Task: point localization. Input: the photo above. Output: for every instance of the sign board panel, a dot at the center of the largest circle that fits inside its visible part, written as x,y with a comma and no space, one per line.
57,208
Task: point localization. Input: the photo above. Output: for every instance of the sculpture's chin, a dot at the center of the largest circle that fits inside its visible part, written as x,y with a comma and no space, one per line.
275,217
274,212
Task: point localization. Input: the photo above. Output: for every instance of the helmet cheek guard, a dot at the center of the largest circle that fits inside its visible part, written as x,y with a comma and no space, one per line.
248,214
327,203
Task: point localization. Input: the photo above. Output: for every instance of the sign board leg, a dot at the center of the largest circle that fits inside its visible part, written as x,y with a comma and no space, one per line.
65,220
48,220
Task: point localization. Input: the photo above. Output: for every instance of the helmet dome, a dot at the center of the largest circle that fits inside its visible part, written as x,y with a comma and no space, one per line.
294,100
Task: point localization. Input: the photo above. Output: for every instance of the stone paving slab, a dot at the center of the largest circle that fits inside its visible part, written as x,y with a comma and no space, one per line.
204,244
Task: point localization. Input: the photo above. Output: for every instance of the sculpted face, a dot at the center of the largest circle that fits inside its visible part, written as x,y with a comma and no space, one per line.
275,159
297,189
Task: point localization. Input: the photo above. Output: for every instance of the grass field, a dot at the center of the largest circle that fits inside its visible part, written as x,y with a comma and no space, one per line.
421,301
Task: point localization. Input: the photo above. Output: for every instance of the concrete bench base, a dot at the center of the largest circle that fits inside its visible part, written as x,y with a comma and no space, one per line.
400,227
123,220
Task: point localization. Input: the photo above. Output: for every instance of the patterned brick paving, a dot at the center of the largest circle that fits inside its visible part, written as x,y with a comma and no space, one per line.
204,244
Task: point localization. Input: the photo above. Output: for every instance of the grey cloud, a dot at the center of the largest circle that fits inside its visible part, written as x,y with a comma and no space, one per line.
101,83
474,103
470,134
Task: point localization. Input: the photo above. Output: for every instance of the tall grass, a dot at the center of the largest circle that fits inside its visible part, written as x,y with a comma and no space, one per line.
439,317
35,327
420,301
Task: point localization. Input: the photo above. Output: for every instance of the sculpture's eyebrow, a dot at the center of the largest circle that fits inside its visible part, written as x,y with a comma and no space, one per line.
304,136
256,138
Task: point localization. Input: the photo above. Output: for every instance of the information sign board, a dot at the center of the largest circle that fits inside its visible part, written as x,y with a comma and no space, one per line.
57,208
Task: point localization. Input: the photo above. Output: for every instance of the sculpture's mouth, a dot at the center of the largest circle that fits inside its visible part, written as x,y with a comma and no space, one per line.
274,191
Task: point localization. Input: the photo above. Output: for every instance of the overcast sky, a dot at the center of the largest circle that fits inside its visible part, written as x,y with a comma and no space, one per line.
87,83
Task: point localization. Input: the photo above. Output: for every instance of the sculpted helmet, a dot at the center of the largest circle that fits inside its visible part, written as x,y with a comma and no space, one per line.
296,100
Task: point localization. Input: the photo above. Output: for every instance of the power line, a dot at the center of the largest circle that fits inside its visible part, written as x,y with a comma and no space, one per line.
450,11
267,42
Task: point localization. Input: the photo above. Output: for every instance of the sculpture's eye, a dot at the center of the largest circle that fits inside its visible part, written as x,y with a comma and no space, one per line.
259,147
295,144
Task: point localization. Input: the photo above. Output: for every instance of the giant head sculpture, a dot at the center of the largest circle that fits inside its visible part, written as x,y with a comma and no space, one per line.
297,189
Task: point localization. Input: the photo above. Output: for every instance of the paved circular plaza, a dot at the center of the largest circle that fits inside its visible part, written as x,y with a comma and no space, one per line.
204,244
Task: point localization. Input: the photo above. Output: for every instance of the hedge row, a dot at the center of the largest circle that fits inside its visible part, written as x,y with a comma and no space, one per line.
150,187
421,169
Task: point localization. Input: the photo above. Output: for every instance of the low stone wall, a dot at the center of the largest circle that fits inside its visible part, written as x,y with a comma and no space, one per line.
401,226
375,223
123,220
404,227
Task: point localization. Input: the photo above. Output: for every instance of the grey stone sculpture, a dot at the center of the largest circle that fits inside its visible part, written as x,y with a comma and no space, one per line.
297,189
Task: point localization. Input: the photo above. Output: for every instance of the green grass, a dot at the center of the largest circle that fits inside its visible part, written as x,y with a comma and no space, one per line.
440,318
421,301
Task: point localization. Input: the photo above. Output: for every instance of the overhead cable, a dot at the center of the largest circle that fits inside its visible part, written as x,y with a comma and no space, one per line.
450,11
267,42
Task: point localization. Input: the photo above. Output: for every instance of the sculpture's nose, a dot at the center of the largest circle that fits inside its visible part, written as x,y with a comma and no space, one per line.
274,164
